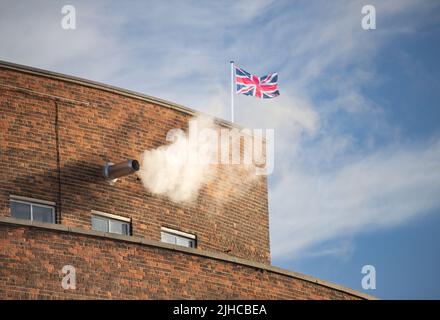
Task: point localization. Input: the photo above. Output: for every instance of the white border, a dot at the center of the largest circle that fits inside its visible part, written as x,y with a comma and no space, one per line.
179,233
33,200
111,216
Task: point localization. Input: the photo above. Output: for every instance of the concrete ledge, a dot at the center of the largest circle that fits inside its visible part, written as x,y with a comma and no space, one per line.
180,249
108,88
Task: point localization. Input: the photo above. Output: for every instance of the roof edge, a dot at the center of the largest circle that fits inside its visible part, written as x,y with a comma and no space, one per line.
111,89
197,252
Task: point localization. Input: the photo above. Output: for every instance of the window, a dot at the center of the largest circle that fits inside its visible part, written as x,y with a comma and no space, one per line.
32,209
111,223
178,237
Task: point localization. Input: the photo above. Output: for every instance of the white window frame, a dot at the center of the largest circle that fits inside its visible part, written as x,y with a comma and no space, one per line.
34,202
110,217
179,234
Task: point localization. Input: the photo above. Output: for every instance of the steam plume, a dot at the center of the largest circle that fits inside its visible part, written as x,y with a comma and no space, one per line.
180,169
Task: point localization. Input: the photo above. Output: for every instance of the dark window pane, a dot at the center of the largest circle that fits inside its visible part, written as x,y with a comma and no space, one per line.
126,229
20,210
42,214
99,224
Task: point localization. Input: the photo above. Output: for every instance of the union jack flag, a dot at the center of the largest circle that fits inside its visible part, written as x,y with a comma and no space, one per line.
261,87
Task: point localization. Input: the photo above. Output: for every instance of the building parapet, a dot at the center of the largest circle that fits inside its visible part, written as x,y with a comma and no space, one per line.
180,249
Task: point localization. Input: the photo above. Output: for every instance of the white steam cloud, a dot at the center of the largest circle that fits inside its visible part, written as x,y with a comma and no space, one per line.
180,169
205,155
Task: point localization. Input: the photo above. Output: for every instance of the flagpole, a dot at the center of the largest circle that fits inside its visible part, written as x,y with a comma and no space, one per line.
232,91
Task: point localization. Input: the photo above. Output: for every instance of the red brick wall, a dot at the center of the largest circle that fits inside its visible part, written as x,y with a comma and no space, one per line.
54,148
32,259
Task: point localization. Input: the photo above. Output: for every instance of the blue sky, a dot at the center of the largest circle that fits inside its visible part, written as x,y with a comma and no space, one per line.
357,162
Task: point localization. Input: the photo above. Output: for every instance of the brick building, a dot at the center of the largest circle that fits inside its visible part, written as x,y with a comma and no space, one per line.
56,208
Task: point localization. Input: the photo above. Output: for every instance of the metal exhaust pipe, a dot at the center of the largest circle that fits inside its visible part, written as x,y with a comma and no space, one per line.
112,171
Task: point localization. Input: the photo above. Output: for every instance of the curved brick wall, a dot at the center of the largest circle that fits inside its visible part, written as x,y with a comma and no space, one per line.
120,267
57,133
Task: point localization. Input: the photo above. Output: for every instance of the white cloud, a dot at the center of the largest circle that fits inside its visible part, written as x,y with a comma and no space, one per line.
341,250
383,189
